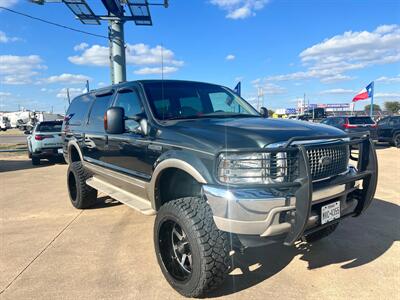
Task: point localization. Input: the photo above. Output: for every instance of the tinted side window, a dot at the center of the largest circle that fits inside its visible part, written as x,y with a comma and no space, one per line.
96,117
395,121
79,108
383,122
129,100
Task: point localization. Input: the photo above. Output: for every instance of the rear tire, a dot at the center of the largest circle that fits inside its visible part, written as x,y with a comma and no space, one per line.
396,140
192,252
81,195
320,234
35,160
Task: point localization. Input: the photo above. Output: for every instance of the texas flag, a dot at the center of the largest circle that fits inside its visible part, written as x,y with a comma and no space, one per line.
365,93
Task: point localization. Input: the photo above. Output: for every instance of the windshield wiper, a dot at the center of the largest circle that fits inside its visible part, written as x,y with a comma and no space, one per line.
213,115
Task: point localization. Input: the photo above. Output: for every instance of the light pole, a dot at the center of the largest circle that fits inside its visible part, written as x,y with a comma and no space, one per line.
139,13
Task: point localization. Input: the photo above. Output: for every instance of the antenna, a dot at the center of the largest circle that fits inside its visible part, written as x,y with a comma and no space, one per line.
68,98
162,62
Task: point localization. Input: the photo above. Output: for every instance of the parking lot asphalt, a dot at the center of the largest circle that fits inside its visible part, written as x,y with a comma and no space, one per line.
49,250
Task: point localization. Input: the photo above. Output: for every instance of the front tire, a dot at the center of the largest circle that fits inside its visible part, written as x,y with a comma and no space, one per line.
192,252
396,140
81,195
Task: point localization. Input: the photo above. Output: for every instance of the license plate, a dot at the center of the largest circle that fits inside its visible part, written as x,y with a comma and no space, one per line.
60,151
330,212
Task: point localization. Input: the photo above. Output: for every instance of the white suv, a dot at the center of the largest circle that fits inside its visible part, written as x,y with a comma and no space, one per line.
45,141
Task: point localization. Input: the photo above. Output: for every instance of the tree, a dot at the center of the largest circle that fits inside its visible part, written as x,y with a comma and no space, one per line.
392,106
376,107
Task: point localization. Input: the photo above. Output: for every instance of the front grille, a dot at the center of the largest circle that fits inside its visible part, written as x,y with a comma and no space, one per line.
327,160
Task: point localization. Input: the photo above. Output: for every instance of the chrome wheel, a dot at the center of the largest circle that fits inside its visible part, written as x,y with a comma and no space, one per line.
175,250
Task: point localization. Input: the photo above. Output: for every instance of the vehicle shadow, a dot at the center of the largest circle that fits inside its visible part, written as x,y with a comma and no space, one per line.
104,202
15,165
356,242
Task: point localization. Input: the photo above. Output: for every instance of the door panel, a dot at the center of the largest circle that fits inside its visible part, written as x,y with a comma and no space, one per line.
95,140
127,152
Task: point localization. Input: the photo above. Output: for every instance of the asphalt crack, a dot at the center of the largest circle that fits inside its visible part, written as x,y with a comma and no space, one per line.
41,252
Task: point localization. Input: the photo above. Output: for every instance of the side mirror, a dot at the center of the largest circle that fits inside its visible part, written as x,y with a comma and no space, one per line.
143,124
264,112
114,120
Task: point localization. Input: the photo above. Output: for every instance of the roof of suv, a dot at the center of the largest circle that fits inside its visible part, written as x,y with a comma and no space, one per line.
144,81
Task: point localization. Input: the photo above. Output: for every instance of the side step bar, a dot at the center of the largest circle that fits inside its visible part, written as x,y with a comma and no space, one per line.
119,194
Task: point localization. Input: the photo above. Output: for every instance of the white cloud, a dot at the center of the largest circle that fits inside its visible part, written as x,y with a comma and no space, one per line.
5,94
17,70
7,39
268,87
333,57
101,84
137,54
385,79
81,46
387,95
337,91
156,70
230,57
66,78
240,9
73,92
8,3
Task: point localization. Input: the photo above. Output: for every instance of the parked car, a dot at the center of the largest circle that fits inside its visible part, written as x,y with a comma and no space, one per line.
353,124
4,123
44,142
219,175
389,130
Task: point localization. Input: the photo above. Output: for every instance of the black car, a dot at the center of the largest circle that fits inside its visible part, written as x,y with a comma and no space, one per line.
389,130
219,175
353,124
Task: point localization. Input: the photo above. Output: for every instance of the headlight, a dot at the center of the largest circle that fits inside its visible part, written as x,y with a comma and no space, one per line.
256,168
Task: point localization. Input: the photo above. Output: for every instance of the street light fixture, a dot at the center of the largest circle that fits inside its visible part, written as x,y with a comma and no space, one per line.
139,13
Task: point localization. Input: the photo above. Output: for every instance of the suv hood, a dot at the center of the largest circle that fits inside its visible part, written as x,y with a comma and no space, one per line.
239,133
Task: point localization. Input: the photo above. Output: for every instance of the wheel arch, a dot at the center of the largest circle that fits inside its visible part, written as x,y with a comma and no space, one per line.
188,168
74,152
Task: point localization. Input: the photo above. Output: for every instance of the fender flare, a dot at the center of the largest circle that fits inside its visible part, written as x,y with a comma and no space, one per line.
74,144
183,161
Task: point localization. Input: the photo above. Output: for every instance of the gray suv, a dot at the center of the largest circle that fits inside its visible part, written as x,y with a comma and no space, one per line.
219,175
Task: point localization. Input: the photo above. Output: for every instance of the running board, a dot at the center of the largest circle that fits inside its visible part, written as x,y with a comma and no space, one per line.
119,194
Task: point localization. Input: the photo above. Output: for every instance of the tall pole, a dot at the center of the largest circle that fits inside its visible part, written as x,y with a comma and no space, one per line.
118,61
371,110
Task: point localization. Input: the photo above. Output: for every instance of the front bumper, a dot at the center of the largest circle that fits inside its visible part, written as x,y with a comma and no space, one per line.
293,209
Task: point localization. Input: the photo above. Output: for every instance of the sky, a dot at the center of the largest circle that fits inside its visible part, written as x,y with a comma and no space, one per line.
325,50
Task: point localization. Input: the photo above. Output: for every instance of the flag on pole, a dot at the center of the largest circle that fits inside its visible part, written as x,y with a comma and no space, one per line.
238,88
367,92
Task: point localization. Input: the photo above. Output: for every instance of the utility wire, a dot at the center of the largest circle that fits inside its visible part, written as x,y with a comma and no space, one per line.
52,23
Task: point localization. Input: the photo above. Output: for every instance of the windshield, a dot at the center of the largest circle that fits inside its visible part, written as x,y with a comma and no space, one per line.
49,127
172,100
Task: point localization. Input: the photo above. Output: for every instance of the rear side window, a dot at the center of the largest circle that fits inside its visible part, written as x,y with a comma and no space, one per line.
99,107
395,121
360,120
78,110
49,127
